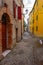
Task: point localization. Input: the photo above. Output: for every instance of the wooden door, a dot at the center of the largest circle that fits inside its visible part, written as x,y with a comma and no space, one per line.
3,37
9,35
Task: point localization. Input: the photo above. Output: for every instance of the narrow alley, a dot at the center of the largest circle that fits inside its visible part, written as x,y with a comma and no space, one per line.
25,52
21,32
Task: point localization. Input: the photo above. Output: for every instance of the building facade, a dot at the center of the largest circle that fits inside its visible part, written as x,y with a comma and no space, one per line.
7,26
10,24
38,18
18,18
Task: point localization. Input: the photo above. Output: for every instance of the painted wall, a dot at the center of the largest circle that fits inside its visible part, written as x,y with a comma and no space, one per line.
38,18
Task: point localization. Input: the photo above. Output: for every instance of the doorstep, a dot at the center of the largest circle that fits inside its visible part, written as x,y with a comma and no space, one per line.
4,54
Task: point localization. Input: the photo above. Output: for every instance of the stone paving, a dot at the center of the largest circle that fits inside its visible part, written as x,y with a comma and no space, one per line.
25,53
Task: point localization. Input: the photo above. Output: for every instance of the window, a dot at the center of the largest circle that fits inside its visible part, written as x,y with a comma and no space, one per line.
42,6
36,28
19,12
33,29
33,21
37,17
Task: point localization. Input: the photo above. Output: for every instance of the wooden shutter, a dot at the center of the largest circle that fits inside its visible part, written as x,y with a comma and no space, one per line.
19,12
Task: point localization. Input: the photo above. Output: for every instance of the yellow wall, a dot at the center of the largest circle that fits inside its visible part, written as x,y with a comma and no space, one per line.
39,32
35,7
31,22
38,23
40,6
37,16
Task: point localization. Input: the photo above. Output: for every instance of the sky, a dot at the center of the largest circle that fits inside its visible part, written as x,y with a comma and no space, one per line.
28,5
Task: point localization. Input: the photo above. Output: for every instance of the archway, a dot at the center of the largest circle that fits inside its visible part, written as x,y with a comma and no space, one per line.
5,22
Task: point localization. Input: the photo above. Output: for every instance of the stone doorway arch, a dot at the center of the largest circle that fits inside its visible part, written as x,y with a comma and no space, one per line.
5,31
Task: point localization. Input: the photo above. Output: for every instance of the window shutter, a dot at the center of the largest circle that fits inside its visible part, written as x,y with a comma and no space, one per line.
19,12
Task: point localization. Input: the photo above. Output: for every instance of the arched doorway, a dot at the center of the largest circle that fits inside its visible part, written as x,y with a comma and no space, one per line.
5,22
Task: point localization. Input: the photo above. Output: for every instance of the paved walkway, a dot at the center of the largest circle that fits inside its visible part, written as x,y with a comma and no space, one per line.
24,53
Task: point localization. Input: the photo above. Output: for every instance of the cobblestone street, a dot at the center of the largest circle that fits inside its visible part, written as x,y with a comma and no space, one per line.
25,53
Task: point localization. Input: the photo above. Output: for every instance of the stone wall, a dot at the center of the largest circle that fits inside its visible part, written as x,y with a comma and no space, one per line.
22,24
12,33
19,26
10,5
